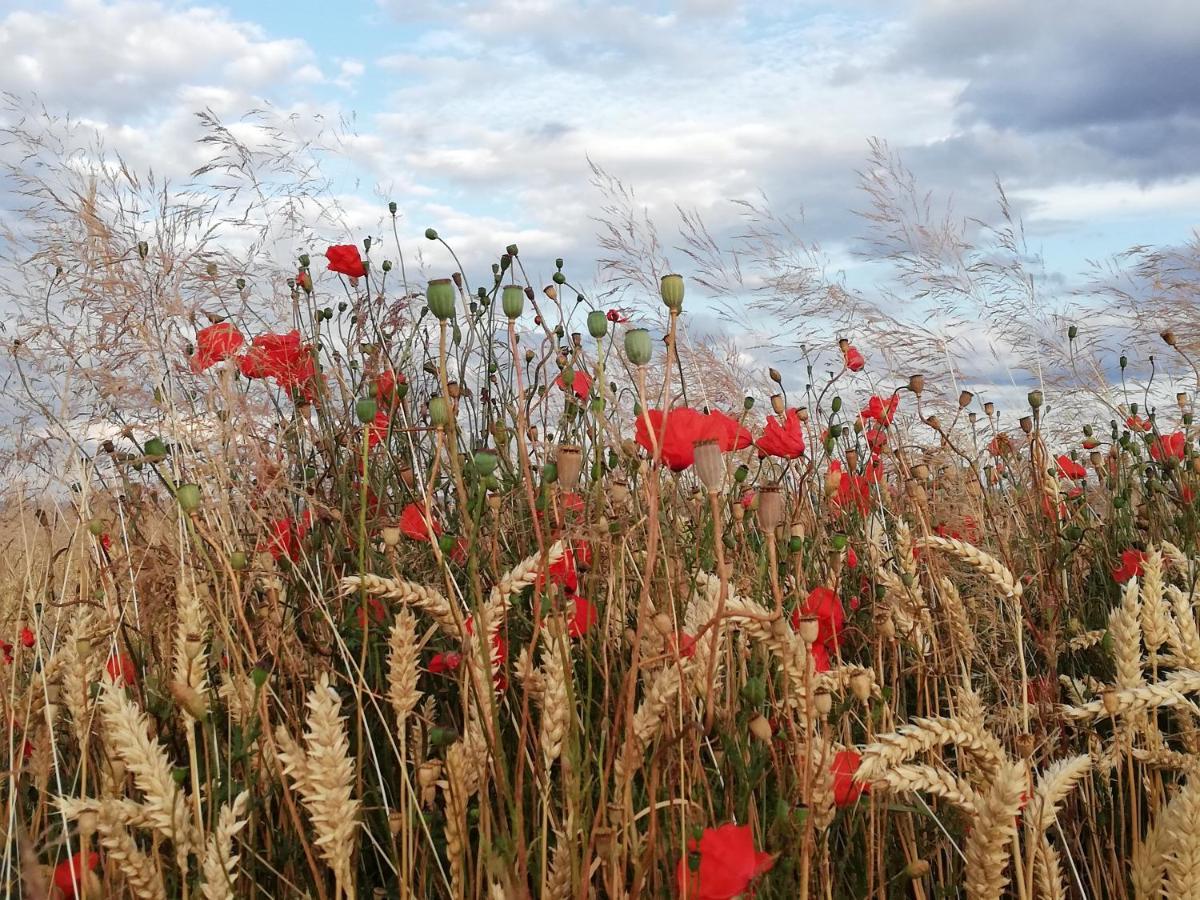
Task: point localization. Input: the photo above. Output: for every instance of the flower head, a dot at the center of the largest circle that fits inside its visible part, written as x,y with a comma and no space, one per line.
120,669
1131,565
344,259
581,383
785,440
1069,468
215,343
1168,446
728,863
69,874
681,428
415,525
846,790
280,357
583,617
854,360
882,411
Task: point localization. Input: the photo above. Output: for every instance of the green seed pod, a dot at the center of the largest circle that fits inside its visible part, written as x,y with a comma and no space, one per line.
238,560
156,447
511,249
143,249
741,473
96,527
241,284
188,497
440,295
439,412
446,543
392,207
550,472
748,404
795,545
431,234
836,404
512,301
485,462
387,265
597,323
559,278
671,288
366,409
637,346
1124,361
839,542
1073,332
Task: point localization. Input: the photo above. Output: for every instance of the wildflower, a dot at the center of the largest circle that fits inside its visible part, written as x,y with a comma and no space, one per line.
876,439
581,383
783,440
120,669
565,570
385,386
281,357
1168,446
852,488
106,542
441,663
378,429
582,618
572,502
284,538
69,874
617,315
823,603
1131,565
678,431
7,649
682,644
344,259
880,410
851,558
378,612
846,790
214,344
1069,468
1000,445
27,637
416,525
854,360
1090,443
1140,425
726,866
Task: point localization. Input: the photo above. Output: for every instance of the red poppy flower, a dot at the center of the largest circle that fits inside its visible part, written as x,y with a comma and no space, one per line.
68,874
378,612
581,383
280,357
854,359
344,259
851,558
283,539
678,432
846,790
1168,446
27,637
1090,443
728,863
1134,423
385,385
785,441
106,542
1131,565
378,429
876,439
683,644
1068,468
1000,445
215,343
823,603
565,570
616,315
7,649
441,663
120,669
854,489
582,619
881,411
415,525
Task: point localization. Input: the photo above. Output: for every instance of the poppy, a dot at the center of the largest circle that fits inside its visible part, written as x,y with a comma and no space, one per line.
120,669
415,525
304,279
876,439
378,612
854,360
682,644
1134,423
27,636
1090,443
68,874
106,542
1168,446
7,649
846,790
572,502
1069,468
854,489
1000,445
582,619
851,558
616,315
783,440
441,663
823,603
581,383
344,259
283,539
214,344
880,410
727,864
1131,565
385,385
681,428
378,429
282,358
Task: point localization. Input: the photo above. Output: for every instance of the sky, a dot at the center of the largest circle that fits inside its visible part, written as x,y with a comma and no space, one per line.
480,117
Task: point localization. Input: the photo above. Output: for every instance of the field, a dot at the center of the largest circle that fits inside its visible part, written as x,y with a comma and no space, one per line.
434,587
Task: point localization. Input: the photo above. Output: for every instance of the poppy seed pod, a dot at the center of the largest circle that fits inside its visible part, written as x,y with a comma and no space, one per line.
770,508
823,701
512,300
964,399
709,465
761,728
569,460
1181,399
188,496
1026,423
778,405
637,346
860,684
1168,337
440,296
597,324
390,535
916,384
662,624
809,629
439,412
552,292
1035,399
485,461
671,289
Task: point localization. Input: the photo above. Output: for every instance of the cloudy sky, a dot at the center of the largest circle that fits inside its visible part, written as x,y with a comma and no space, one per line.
480,116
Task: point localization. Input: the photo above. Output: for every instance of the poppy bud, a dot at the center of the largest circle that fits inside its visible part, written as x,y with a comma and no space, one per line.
241,284
304,261
1072,332
238,560
836,404
916,384
637,346
741,473
1168,337
1124,361
392,207
528,356
597,324
440,296
512,301
96,527
431,234
143,249
775,376
439,412
188,497
671,289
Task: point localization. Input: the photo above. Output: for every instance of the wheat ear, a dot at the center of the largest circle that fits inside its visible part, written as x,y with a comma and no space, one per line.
140,872
1182,843
402,669
220,863
992,833
408,593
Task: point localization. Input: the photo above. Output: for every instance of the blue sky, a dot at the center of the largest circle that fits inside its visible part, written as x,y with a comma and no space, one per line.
479,116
